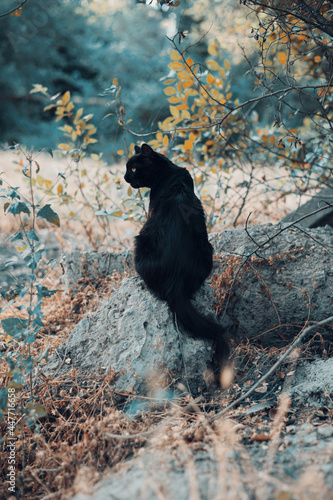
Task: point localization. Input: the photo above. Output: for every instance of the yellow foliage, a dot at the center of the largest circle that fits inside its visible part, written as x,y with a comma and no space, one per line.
174,99
170,91
212,50
282,57
175,56
66,98
176,65
212,65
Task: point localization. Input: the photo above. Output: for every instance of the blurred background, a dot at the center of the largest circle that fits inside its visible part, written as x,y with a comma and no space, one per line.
82,45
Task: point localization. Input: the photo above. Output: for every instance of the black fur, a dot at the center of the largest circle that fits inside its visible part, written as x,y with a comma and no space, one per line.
172,251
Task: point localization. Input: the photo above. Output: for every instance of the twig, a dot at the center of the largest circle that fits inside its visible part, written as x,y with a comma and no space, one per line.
273,368
14,10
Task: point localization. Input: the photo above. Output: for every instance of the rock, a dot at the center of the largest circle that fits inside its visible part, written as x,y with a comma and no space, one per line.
94,265
175,474
313,384
326,431
288,282
318,219
133,334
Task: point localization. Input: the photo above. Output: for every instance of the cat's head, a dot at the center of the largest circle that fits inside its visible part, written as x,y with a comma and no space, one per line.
143,169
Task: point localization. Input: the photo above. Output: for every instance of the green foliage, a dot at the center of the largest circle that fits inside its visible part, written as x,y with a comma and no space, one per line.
20,331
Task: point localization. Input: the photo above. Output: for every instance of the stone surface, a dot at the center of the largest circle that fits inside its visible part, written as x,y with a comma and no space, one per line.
313,384
207,475
288,282
94,265
316,220
133,333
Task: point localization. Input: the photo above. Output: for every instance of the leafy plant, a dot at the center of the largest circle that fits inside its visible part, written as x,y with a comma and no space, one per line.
22,327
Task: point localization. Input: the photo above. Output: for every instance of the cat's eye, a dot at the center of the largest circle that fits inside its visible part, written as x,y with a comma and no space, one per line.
133,169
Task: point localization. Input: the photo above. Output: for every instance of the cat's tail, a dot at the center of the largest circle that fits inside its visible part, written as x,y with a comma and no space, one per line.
199,326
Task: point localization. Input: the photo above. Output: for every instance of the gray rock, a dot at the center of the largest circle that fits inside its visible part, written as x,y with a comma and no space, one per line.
318,219
325,431
133,334
94,265
288,282
313,384
271,299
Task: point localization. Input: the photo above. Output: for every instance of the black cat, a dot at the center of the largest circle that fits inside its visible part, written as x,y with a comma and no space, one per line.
172,252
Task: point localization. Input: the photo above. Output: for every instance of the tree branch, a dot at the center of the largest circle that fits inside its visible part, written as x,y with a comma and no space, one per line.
15,9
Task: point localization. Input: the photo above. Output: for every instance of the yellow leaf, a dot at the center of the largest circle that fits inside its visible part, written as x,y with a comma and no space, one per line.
212,50
190,91
188,145
50,106
169,80
40,180
117,214
186,113
182,106
176,65
69,107
78,115
159,136
66,98
60,189
63,146
210,79
272,139
174,99
48,184
229,95
120,152
183,75
175,56
189,61
226,65
174,111
264,137
170,91
115,82
282,58
188,83
38,88
212,65
317,59
165,141
272,37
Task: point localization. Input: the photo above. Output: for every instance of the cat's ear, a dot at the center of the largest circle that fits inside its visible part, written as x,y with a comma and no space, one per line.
137,150
147,150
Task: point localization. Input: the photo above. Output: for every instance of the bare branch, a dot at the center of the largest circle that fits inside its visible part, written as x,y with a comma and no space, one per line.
273,368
